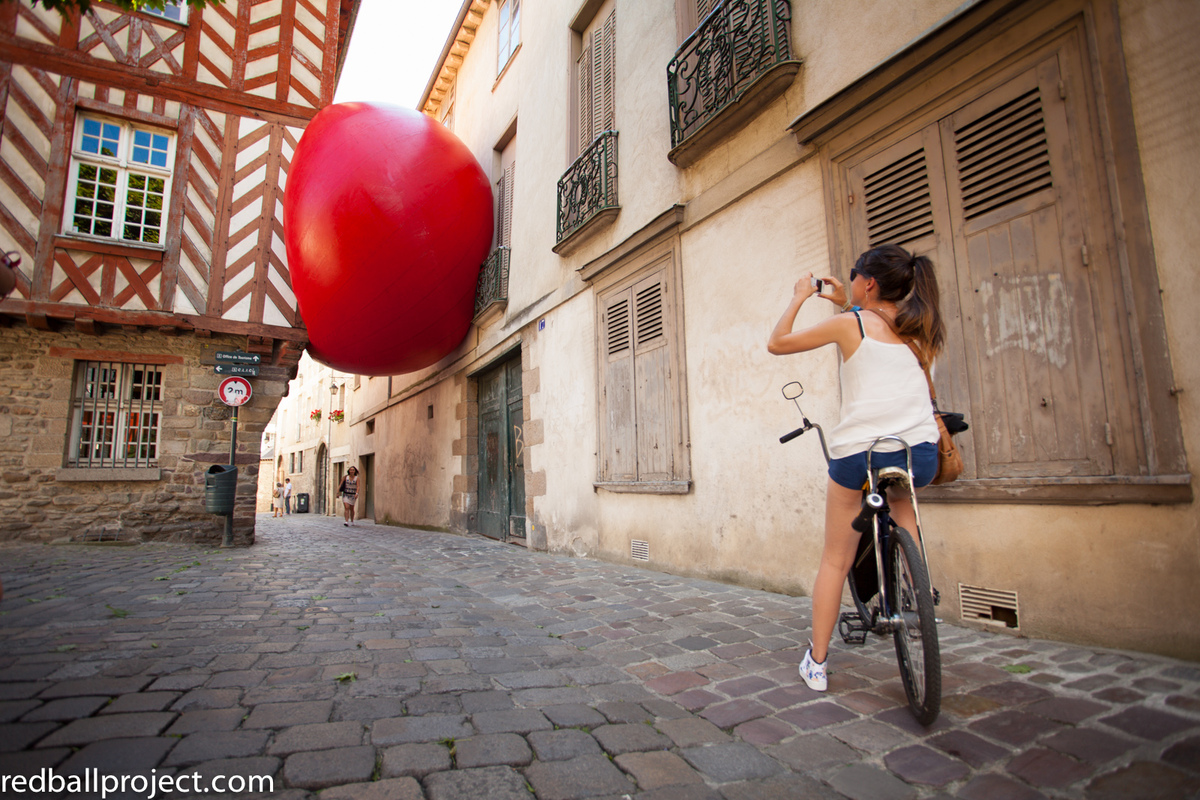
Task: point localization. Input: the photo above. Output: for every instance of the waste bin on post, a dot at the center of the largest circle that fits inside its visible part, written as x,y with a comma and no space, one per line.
220,485
302,503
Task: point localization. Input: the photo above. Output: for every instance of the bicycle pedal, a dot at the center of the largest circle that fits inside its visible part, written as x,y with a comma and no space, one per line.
893,476
852,628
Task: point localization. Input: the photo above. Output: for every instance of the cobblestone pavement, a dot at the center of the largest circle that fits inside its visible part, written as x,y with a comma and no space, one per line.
379,662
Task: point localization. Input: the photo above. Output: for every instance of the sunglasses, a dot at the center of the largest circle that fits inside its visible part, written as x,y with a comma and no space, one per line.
855,272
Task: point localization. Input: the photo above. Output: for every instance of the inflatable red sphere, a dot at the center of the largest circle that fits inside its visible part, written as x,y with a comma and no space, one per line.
387,218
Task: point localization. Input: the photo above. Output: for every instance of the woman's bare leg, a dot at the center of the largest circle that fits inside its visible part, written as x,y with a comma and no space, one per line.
841,542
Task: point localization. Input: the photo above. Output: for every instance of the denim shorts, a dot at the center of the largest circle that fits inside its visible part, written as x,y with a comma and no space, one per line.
851,471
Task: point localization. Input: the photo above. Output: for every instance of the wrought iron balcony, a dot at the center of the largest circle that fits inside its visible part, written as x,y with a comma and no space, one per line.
726,71
587,193
492,289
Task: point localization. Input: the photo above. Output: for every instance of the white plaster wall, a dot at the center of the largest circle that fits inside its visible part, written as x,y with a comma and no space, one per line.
564,353
414,470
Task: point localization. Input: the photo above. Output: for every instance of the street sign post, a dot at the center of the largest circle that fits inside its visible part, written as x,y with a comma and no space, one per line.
234,392
236,369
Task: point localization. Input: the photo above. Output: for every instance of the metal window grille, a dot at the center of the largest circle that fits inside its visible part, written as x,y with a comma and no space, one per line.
639,550
116,414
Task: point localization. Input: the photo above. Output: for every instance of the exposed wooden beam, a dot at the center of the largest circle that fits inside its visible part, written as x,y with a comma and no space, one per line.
88,326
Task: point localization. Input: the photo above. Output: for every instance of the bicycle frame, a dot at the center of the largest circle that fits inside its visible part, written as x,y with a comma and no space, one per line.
889,618
881,511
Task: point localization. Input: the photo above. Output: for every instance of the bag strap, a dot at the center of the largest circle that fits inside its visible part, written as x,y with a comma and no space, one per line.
916,352
861,330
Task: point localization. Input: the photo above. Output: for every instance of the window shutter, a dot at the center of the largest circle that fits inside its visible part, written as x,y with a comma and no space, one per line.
607,76
501,210
619,456
596,68
508,184
652,391
1026,298
897,200
1003,156
583,67
703,9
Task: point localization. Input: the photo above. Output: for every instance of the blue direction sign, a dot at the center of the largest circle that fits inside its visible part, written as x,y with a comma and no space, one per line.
236,369
238,357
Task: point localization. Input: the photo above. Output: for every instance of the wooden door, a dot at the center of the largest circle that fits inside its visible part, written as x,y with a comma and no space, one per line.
501,453
991,193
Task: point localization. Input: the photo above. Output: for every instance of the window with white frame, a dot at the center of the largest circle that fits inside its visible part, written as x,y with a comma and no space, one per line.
120,180
510,31
116,413
174,10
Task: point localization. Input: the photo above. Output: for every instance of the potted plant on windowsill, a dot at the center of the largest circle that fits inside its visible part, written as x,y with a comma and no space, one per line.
315,416
337,415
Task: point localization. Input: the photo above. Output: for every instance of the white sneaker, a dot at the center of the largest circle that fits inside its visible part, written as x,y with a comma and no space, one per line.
813,672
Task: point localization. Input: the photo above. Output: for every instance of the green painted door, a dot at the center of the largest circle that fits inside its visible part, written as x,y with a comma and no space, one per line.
501,453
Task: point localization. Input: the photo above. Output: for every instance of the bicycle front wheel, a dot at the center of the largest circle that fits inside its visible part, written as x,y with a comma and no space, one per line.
916,638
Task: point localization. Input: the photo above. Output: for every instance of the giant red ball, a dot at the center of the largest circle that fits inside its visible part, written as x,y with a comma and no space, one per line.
387,218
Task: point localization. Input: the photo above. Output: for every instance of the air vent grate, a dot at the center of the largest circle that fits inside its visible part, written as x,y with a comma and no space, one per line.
1003,156
618,327
649,314
639,550
993,606
897,200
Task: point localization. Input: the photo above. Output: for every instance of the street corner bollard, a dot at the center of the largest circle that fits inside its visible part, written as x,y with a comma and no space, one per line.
220,486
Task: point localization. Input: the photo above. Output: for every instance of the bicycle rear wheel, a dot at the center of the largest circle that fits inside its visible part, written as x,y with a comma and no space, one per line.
916,639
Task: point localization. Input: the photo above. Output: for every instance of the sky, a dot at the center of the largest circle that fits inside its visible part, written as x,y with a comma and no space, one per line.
393,50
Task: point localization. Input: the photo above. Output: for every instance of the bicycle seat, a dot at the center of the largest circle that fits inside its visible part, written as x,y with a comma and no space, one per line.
890,477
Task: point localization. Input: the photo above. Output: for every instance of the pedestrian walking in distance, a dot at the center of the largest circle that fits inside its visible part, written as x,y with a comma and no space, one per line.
349,492
277,500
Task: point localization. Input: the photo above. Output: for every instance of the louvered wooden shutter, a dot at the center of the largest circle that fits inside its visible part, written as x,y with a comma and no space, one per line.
1015,210
703,9
596,69
504,207
618,461
606,77
652,390
583,68
898,196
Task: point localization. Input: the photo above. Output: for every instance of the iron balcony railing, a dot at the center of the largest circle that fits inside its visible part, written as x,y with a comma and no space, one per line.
589,187
737,42
493,280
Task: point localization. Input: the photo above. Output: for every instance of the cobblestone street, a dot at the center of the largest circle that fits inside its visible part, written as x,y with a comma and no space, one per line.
381,662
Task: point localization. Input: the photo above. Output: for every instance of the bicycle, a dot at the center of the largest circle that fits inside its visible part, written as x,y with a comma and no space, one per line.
905,607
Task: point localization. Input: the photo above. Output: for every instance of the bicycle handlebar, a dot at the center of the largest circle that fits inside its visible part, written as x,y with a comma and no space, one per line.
787,437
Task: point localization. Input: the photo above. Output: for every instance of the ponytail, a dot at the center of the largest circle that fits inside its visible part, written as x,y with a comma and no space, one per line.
920,316
909,282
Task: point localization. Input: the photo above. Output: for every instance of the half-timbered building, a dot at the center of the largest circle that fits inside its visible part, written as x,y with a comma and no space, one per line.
143,160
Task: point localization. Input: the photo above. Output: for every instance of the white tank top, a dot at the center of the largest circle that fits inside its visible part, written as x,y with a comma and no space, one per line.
884,393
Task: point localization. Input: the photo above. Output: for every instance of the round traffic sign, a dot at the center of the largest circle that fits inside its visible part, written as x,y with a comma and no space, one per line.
234,391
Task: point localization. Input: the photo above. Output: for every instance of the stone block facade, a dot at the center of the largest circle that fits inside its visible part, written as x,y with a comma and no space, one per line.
43,499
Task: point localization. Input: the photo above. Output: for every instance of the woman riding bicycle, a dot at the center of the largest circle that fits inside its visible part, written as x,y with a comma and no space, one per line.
884,393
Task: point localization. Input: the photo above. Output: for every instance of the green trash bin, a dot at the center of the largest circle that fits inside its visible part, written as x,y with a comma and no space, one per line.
220,486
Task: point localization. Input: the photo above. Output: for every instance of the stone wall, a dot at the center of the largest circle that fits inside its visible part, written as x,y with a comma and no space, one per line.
42,500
